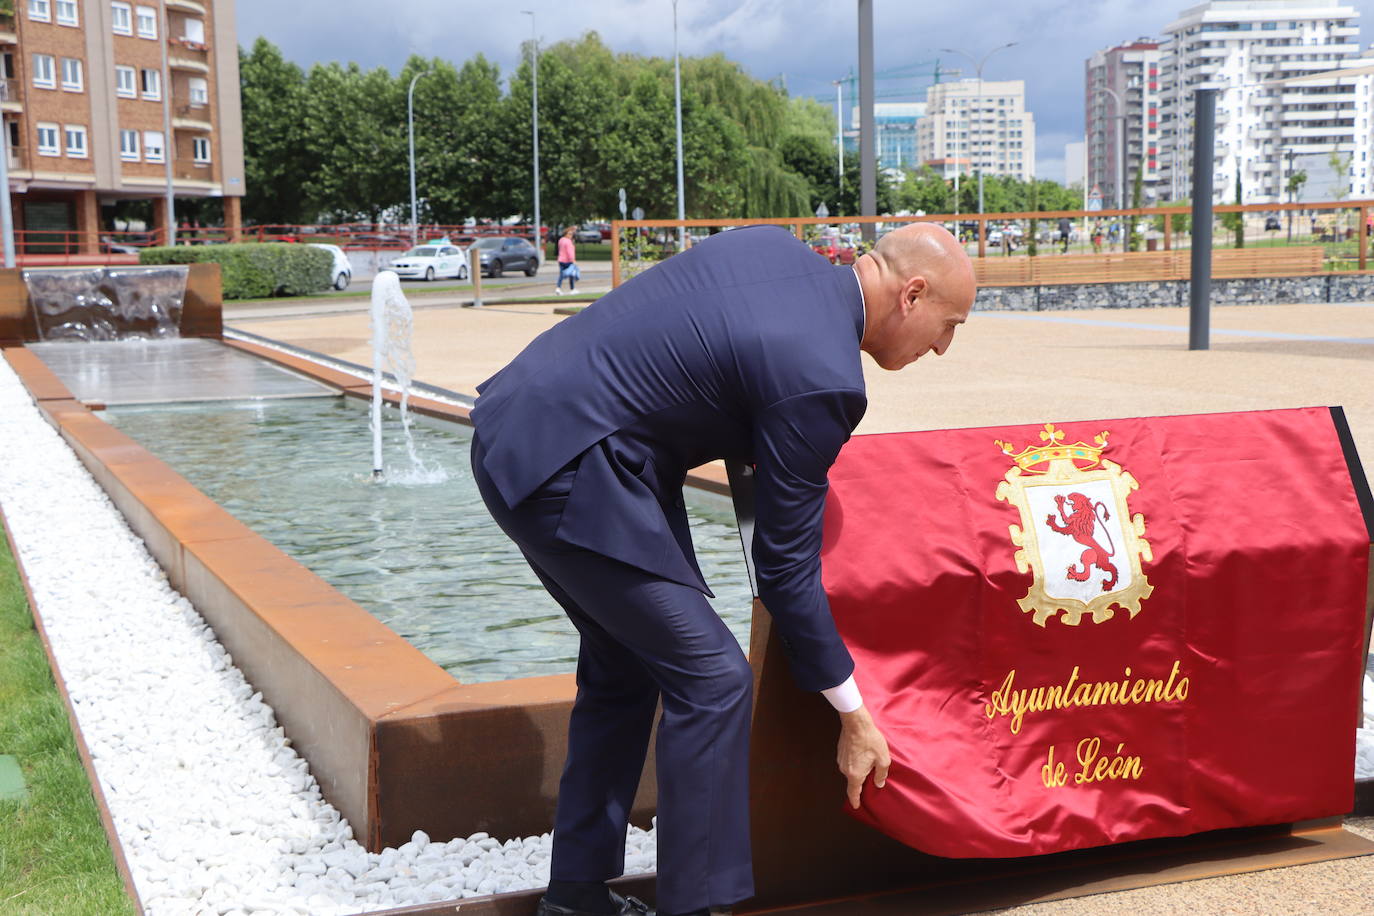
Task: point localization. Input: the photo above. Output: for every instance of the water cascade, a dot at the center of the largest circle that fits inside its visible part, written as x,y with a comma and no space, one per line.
107,303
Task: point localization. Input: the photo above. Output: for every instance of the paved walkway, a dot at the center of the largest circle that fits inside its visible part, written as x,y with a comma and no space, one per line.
1012,368
1004,368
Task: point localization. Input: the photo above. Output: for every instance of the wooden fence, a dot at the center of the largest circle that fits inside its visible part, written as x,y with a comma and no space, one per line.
1227,263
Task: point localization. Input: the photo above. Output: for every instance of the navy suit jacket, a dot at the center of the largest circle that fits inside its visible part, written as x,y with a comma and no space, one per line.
745,346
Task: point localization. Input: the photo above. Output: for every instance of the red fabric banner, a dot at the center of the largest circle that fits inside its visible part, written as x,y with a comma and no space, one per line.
1116,630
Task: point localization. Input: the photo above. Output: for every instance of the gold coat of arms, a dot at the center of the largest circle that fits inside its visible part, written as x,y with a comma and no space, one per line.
1076,534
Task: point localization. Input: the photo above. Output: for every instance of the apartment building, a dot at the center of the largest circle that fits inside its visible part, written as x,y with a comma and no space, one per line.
983,122
1279,98
1121,105
90,90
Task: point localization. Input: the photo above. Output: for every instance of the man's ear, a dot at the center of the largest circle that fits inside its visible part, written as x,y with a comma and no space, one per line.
911,294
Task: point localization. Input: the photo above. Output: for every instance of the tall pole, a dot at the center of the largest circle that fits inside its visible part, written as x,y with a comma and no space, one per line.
169,146
534,54
868,178
1200,287
6,216
978,71
839,135
410,124
677,90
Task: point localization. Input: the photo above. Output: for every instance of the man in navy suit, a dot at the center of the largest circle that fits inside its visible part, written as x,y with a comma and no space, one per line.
745,347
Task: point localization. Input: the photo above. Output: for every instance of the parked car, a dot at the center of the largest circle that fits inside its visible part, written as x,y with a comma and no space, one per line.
588,233
1272,222
342,270
501,253
111,245
431,261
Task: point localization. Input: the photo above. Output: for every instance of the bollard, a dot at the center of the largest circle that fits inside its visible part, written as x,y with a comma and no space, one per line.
475,273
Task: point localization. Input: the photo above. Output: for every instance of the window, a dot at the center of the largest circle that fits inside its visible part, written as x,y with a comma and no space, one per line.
76,141
43,75
193,30
152,145
199,91
128,145
200,149
126,82
40,11
152,84
71,74
66,13
122,18
47,140
147,22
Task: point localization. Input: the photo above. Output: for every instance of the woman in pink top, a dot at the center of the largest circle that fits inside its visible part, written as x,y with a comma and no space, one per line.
567,262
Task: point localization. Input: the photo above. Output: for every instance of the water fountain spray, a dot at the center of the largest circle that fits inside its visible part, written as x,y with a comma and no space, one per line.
391,324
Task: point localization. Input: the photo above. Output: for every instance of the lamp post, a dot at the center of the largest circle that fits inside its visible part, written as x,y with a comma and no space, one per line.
839,137
677,91
6,216
410,126
978,70
1120,146
534,62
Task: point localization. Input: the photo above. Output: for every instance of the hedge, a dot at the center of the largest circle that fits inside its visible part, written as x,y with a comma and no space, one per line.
255,270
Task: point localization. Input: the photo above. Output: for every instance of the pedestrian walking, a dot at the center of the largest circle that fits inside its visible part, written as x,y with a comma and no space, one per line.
1065,228
567,262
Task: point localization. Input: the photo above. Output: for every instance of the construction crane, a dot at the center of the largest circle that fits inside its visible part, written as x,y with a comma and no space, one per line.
917,72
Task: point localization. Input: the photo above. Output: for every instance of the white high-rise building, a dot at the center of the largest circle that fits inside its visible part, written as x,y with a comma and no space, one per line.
983,123
1249,50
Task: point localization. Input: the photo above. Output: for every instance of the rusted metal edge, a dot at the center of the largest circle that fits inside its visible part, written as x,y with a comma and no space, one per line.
106,819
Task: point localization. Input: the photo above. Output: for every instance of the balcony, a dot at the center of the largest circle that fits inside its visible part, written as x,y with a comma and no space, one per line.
188,55
189,170
18,158
192,117
186,6
1333,99
11,95
9,35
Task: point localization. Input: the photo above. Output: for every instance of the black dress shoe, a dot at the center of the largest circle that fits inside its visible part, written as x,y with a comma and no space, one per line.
627,906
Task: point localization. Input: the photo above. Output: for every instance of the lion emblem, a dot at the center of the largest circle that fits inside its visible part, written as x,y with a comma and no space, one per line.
1081,524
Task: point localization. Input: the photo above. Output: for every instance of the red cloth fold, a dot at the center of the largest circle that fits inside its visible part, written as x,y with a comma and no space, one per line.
1244,657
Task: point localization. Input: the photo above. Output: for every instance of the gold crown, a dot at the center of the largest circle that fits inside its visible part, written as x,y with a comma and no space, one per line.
1040,459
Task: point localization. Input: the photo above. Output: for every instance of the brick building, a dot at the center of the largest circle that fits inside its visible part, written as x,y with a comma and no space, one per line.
89,90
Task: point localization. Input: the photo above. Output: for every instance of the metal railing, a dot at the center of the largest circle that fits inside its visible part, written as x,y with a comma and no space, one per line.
11,90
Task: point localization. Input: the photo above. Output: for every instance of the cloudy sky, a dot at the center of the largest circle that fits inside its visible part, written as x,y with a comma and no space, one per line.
806,43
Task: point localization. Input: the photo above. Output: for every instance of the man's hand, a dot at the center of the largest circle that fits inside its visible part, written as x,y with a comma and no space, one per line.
862,750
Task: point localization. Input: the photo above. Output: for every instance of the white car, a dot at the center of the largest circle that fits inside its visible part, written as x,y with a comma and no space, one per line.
431,261
342,271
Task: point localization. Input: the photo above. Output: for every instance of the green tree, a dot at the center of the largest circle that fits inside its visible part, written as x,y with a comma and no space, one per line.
356,142
275,169
923,190
1132,236
457,113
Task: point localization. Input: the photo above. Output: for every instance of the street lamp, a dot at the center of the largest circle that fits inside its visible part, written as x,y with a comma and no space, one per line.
978,69
1120,147
839,137
534,54
410,125
677,89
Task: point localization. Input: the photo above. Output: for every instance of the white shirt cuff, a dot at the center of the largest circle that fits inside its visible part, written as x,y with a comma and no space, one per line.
844,697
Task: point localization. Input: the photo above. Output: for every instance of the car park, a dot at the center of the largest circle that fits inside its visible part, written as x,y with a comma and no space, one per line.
500,253
341,271
431,261
588,233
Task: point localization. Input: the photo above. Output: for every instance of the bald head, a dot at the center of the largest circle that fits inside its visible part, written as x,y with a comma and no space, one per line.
918,287
928,250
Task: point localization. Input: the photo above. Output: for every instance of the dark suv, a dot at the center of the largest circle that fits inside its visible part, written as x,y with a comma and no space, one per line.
506,252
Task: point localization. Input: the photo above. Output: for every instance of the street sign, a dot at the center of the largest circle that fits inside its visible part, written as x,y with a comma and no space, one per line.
822,211
638,213
622,203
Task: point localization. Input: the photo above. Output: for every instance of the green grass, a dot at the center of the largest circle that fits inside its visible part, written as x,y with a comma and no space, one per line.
54,857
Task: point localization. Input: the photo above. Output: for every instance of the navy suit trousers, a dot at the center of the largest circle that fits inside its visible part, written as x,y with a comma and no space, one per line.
644,640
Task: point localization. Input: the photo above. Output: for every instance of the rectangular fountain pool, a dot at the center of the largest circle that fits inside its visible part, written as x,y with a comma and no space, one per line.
418,550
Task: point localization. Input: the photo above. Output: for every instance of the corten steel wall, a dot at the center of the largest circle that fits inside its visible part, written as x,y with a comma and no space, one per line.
201,309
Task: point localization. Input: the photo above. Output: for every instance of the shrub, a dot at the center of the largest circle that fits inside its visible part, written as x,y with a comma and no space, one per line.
255,270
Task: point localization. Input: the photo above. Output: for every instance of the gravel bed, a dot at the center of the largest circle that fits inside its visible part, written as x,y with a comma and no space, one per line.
215,811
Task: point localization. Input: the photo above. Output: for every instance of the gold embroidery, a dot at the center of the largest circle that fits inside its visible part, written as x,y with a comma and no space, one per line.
1008,700
1073,473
